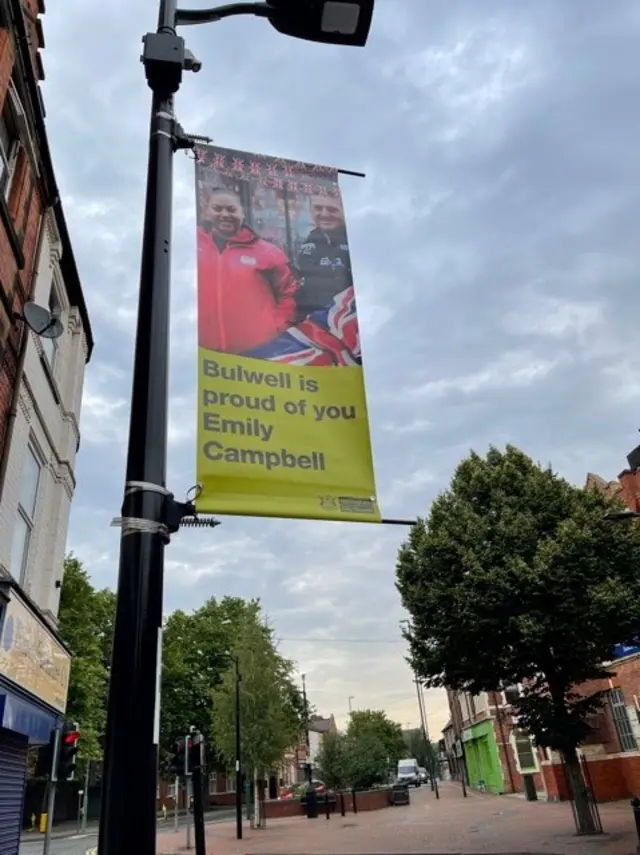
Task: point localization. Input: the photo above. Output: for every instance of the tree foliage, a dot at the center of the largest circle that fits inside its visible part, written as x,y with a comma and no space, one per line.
85,623
426,753
516,577
194,663
332,761
365,755
270,704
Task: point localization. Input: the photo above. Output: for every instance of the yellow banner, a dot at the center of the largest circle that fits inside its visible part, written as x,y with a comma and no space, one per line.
282,415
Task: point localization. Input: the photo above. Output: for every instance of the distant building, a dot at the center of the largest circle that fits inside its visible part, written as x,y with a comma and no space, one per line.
319,727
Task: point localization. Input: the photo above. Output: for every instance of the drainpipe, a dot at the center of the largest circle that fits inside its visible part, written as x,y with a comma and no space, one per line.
22,353
506,747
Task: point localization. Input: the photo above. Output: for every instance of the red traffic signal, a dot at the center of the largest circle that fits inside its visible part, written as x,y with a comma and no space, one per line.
68,749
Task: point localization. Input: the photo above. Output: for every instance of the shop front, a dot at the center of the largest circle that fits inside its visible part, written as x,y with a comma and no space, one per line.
482,758
34,679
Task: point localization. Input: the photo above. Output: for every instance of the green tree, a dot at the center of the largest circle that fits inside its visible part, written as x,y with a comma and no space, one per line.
387,732
333,761
516,577
373,745
418,747
193,662
270,719
85,622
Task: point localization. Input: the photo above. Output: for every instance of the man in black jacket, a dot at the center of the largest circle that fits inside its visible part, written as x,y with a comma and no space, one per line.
323,262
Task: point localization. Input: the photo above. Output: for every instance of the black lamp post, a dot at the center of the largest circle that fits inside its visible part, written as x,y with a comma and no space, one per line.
150,513
306,727
238,677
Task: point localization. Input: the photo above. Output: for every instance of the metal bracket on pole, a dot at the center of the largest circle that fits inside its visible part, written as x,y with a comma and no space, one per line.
173,513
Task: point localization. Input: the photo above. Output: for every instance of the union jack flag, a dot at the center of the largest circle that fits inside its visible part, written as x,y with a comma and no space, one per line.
328,336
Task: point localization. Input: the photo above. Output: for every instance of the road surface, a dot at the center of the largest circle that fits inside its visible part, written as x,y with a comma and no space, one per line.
78,844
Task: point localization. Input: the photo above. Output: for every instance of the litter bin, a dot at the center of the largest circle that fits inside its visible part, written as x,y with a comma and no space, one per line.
530,788
400,794
311,803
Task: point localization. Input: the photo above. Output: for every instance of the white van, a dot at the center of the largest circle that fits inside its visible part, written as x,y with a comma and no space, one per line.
409,772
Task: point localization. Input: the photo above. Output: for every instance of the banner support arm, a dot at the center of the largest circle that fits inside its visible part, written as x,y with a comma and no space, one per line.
351,173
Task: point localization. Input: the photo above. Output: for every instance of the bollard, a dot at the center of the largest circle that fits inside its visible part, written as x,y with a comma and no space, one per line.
312,804
355,804
326,805
635,804
342,807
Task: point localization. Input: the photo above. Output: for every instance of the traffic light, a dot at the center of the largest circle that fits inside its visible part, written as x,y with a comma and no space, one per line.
177,759
68,750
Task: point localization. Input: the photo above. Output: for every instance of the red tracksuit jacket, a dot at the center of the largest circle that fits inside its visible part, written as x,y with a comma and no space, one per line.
245,292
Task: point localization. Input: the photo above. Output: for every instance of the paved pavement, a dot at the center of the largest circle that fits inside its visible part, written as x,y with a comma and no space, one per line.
482,824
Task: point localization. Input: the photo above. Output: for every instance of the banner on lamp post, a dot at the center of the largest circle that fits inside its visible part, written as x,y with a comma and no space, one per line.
282,415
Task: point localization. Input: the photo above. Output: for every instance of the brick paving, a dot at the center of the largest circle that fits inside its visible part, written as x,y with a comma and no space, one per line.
481,824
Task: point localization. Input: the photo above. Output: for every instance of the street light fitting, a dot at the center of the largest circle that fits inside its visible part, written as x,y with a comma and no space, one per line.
621,516
337,22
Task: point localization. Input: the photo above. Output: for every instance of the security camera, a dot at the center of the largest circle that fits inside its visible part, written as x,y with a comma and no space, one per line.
191,63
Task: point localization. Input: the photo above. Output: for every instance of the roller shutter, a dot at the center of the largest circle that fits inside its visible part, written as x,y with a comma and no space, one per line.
13,773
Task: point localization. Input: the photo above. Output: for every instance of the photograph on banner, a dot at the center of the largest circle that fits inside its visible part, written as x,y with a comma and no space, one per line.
282,417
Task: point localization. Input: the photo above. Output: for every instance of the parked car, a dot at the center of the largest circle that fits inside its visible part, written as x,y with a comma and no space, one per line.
287,792
424,775
297,791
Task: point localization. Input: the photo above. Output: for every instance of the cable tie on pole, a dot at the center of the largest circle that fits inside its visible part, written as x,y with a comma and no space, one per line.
136,525
145,487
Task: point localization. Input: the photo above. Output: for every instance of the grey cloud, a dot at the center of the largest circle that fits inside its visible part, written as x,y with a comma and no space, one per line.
498,217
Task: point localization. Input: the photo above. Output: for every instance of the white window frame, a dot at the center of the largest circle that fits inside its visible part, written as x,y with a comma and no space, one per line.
481,702
230,783
22,126
9,158
515,687
171,790
29,518
521,735
213,783
621,720
50,346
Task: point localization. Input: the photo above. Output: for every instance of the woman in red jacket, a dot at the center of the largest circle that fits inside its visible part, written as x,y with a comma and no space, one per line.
246,288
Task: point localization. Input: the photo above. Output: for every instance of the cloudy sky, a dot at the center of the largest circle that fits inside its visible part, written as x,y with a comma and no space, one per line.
496,255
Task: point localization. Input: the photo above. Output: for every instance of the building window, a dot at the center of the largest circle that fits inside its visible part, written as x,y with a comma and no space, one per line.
621,720
213,783
512,694
171,790
231,783
9,147
23,528
50,345
525,752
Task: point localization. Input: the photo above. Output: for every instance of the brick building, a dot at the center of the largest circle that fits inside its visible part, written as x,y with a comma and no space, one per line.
483,742
41,382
